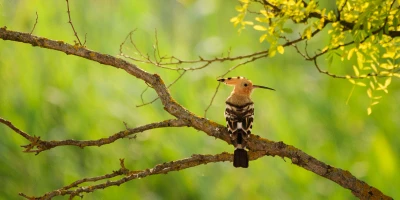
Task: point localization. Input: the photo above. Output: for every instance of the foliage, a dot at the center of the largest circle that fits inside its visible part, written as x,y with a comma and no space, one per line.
363,34
57,96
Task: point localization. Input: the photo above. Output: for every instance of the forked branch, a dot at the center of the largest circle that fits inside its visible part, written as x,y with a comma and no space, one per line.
257,146
37,145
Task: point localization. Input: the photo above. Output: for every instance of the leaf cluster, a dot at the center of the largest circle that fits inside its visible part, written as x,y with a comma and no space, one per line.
362,34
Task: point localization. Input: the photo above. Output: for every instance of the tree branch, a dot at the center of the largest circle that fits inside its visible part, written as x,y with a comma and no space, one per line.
256,144
37,145
129,175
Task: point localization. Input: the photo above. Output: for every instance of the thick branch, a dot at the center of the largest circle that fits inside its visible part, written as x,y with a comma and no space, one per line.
342,177
255,143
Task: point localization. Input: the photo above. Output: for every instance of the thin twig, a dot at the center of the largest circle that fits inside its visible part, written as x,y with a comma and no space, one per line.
17,130
156,47
123,42
150,102
212,100
141,94
34,26
73,28
165,61
84,43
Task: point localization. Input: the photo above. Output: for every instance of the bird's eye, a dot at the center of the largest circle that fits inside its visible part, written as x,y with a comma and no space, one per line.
245,85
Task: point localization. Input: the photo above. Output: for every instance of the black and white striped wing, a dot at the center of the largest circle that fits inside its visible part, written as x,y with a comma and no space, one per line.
239,118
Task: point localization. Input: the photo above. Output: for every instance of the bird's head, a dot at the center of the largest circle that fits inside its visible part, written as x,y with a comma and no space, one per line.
242,85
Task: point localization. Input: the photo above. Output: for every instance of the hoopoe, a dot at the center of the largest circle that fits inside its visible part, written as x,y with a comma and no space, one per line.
239,114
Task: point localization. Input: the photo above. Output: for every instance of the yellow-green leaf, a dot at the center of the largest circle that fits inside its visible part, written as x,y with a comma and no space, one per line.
280,49
369,92
361,84
372,85
307,33
262,38
374,68
234,19
356,70
386,65
264,12
239,8
384,73
389,54
369,110
350,53
260,28
382,87
272,53
388,81
360,60
374,103
378,97
248,22
321,23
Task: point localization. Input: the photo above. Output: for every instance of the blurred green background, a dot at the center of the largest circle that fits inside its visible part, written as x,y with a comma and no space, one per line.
56,96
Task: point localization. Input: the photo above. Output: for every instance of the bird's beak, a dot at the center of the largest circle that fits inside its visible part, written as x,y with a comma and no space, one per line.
259,86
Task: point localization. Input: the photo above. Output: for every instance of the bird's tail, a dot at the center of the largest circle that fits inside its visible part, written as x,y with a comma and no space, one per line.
240,158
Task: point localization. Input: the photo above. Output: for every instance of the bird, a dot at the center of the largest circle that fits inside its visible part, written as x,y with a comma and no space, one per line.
239,113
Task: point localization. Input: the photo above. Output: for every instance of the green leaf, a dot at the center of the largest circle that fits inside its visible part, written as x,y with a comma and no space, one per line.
287,30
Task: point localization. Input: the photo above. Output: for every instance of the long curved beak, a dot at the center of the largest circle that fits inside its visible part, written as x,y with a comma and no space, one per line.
259,86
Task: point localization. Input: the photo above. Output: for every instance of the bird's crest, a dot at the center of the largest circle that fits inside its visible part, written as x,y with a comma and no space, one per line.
233,80
242,85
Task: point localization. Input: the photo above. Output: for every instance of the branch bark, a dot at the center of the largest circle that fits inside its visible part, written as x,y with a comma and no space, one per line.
256,144
37,145
129,175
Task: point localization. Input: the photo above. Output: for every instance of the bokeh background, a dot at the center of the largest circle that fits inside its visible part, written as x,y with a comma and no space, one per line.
58,96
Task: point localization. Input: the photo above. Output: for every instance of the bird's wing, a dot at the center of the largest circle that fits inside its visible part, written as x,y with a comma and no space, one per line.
239,118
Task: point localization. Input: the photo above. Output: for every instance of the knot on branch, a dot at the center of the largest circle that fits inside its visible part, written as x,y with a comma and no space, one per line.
35,143
158,79
123,169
